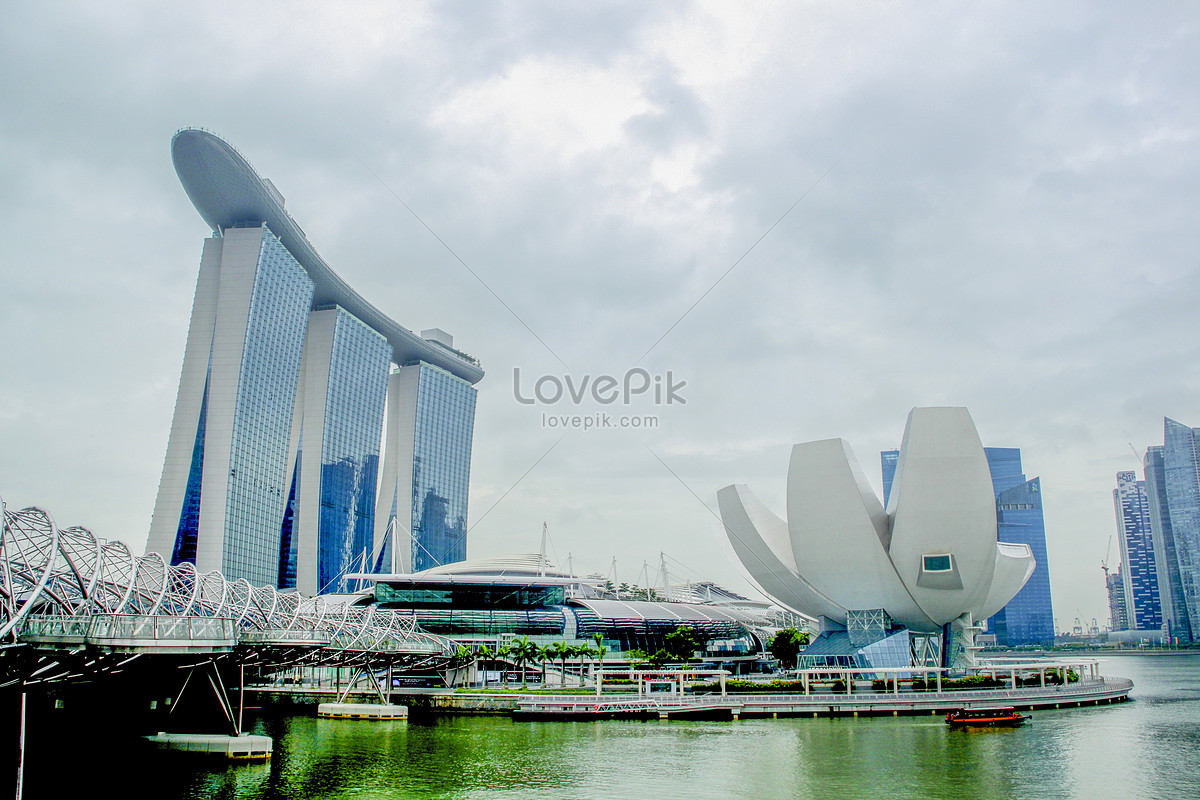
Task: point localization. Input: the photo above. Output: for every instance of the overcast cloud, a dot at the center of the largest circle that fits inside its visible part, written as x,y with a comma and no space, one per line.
994,206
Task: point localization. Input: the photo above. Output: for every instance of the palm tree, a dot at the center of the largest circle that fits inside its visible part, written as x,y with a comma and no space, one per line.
522,650
483,653
561,651
598,638
461,654
503,651
544,653
583,652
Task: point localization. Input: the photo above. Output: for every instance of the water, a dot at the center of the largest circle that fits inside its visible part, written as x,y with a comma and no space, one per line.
1148,748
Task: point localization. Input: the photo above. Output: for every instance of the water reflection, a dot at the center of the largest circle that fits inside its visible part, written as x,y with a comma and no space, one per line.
1149,748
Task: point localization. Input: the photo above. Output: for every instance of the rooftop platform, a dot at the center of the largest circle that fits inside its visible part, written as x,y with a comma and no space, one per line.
228,192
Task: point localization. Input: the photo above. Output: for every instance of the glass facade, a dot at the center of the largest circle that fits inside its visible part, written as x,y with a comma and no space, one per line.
888,460
354,404
492,610
1170,586
1181,475
469,596
868,626
287,537
262,416
1140,576
189,518
1028,619
444,425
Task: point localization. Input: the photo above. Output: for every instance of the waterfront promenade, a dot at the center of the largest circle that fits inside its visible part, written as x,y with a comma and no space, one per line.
1027,684
1103,691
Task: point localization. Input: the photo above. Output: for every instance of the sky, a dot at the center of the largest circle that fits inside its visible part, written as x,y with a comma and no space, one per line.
807,218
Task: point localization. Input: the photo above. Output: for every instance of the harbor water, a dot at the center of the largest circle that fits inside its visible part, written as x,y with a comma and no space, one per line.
1146,748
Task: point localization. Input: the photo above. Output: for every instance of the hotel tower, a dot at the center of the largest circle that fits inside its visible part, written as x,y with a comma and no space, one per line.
313,436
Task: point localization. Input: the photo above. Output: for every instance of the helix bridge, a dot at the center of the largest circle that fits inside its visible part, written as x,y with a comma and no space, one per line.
74,607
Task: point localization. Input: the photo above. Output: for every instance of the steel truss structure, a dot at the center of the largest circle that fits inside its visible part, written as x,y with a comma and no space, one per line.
75,606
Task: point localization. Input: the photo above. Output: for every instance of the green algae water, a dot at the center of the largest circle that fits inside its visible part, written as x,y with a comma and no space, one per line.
1146,748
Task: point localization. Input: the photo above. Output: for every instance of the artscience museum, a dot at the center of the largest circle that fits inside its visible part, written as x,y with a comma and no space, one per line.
890,586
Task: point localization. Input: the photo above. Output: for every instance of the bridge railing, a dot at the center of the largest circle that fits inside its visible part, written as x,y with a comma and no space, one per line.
163,628
101,628
284,636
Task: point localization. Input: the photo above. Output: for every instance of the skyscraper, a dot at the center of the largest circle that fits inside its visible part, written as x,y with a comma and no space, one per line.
273,459
1166,558
1138,571
1118,619
1028,619
1173,489
421,517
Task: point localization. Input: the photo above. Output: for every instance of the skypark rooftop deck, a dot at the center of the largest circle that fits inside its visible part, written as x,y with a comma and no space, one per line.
228,192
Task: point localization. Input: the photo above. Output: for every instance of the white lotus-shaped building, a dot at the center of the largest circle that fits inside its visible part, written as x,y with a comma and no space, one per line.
930,559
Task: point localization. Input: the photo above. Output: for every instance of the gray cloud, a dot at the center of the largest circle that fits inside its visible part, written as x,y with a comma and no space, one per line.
1004,221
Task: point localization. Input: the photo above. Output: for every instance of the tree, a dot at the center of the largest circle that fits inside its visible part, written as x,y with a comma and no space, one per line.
599,652
659,658
545,653
522,650
583,653
682,643
786,645
502,652
483,653
561,651
462,654
598,638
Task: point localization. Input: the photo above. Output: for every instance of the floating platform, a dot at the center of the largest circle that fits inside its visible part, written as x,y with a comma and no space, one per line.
242,748
361,711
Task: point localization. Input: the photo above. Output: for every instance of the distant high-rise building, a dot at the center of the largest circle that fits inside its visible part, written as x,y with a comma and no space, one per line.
273,459
1166,557
1118,619
1139,575
1028,619
1173,489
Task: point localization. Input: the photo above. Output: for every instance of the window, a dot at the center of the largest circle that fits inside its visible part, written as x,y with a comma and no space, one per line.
938,563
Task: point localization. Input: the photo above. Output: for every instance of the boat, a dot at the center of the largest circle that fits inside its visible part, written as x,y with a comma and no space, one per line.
985,718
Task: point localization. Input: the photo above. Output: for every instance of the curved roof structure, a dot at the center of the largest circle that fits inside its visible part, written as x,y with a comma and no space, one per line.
228,192
929,558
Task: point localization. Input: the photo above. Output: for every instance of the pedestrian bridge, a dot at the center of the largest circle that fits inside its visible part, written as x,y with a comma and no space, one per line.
74,606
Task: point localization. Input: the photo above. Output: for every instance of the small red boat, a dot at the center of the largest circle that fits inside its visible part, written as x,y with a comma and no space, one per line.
985,718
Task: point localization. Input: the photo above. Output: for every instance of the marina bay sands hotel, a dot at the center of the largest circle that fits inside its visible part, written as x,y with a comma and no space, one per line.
273,467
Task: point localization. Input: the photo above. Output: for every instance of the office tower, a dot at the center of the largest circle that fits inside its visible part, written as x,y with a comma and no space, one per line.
1138,571
1028,619
272,464
1173,487
1166,558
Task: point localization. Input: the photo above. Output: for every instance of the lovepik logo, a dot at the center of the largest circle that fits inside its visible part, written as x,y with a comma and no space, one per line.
603,389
